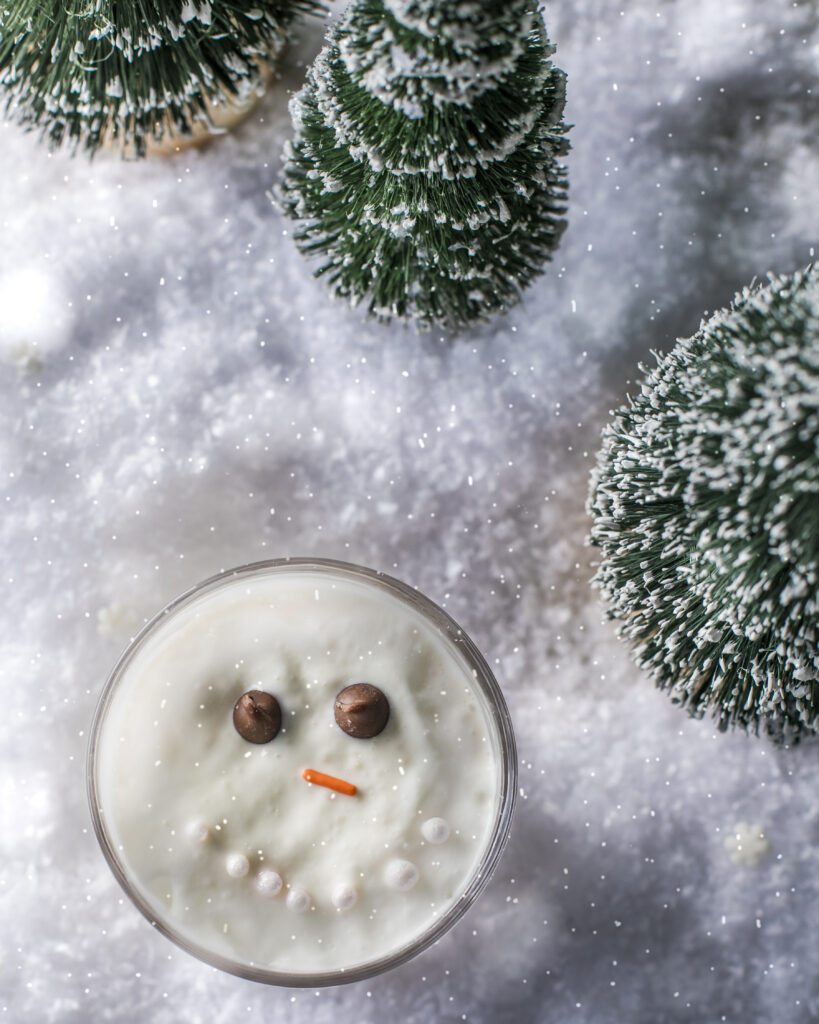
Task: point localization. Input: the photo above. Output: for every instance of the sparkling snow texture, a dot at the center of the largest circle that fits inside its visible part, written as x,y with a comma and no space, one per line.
200,401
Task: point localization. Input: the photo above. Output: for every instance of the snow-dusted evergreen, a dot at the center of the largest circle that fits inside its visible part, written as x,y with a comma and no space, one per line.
89,71
425,168
705,505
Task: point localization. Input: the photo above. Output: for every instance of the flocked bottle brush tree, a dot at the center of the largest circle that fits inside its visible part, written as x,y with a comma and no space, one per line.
705,507
130,73
425,169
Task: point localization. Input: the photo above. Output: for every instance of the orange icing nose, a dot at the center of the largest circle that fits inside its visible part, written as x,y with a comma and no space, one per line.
330,781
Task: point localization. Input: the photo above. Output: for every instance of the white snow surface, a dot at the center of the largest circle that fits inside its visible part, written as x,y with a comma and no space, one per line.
203,403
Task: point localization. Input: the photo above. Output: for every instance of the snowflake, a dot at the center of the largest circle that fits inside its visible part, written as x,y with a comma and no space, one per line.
748,845
116,621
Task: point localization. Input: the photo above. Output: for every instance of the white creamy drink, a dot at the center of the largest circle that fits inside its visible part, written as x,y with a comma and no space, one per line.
224,711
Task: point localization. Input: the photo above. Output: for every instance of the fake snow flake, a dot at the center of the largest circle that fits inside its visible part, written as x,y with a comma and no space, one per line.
34,317
116,621
704,504
425,166
747,845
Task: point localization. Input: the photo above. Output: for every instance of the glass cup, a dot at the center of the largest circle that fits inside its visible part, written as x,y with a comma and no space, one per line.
123,701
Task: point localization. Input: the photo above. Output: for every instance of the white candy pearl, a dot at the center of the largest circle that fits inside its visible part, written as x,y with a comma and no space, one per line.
237,865
198,832
268,883
344,896
401,874
298,900
435,830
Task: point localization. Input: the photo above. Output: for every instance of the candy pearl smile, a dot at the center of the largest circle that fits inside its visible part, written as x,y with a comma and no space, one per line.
329,781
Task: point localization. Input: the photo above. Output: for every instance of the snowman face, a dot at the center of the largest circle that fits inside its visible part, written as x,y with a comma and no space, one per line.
362,712
299,774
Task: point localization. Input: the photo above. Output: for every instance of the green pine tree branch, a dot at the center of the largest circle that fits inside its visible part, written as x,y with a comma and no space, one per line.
705,507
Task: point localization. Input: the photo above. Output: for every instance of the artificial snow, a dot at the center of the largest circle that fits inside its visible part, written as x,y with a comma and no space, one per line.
206,403
35,316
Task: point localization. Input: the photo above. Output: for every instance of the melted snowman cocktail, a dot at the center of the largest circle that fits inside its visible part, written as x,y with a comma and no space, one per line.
302,772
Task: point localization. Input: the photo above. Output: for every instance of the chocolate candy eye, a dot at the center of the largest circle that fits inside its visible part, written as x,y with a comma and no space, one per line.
362,710
257,716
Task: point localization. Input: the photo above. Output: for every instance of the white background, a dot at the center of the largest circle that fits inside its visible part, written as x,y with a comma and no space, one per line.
197,401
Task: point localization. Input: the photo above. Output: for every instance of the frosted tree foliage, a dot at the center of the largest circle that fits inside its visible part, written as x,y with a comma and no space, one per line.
424,167
705,503
94,71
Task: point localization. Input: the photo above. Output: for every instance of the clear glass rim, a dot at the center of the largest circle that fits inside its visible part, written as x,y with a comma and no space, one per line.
495,705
